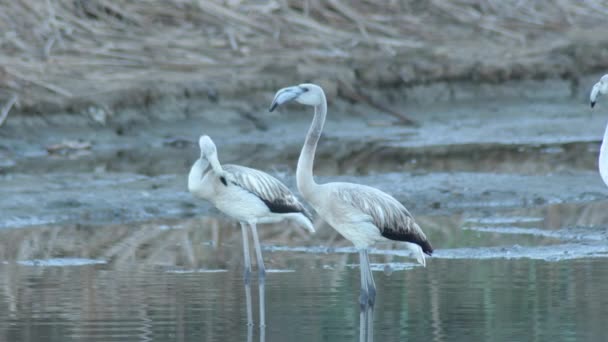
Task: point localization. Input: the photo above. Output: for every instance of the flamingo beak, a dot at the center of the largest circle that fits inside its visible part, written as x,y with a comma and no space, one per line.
595,93
285,95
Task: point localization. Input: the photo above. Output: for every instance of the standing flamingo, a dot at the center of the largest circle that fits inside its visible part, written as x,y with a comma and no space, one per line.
362,214
249,196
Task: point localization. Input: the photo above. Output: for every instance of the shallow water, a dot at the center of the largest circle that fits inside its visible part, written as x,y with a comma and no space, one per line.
529,274
450,300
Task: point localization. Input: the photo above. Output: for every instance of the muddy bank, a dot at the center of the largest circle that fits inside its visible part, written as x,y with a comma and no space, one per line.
117,197
465,156
248,111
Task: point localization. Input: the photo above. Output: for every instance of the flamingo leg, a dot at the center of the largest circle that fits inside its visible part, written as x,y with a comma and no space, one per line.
250,333
363,297
261,274
262,333
370,283
369,317
371,290
247,274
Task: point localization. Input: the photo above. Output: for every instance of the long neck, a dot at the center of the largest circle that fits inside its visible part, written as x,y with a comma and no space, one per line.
603,160
195,177
215,164
304,177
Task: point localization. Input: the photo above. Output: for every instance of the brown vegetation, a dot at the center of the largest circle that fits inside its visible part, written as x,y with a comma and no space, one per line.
59,53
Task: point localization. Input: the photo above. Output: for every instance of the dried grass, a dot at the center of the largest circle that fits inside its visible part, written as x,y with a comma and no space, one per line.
59,51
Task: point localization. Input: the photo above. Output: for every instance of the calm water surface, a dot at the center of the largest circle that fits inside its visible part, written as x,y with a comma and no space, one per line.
535,274
312,300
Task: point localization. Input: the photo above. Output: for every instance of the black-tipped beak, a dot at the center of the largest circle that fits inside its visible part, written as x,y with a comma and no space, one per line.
592,104
275,104
285,95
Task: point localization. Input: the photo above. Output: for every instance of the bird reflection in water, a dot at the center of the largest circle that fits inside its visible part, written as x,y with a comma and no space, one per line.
250,333
366,326
250,326
366,323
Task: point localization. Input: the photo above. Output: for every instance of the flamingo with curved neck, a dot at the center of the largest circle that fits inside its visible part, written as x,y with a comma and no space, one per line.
250,196
362,214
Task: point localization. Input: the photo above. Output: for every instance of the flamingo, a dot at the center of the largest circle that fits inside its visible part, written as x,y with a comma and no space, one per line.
362,214
249,196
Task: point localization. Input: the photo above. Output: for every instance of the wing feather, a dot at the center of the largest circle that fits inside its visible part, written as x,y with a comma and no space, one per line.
270,190
391,217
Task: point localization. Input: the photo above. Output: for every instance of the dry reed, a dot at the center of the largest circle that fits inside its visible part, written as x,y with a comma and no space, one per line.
61,51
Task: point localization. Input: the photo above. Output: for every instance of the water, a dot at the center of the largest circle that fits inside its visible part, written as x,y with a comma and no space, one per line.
106,244
451,300
181,280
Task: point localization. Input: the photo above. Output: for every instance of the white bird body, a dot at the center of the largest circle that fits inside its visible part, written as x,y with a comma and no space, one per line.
240,201
601,88
233,201
366,215
249,196
354,225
